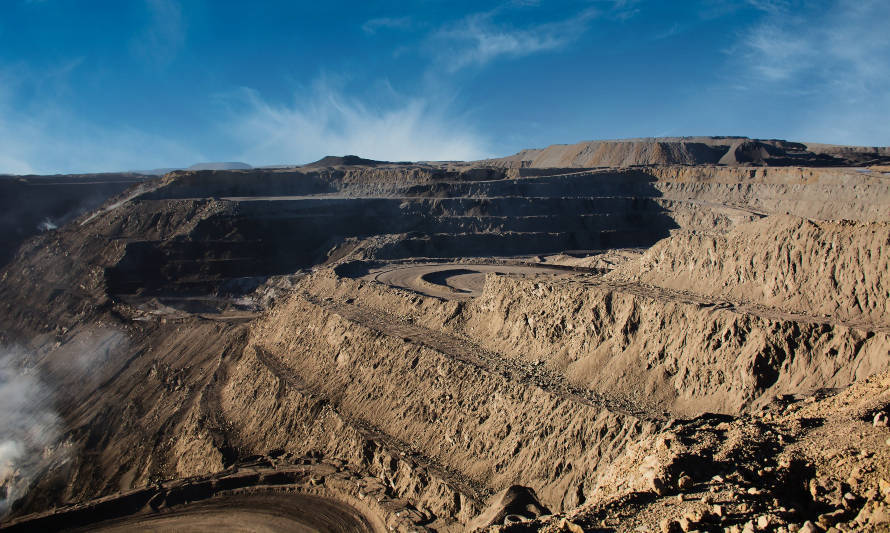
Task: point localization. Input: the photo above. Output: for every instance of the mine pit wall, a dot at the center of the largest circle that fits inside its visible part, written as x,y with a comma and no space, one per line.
819,193
839,270
685,356
823,193
765,175
227,239
865,203
661,353
360,181
474,422
271,409
467,214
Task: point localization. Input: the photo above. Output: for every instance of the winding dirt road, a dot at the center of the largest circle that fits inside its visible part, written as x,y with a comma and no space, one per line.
249,512
452,281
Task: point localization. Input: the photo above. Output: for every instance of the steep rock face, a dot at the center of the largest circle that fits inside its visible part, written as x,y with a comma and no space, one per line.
623,154
137,405
837,269
668,351
476,419
272,408
32,204
644,346
547,383
61,277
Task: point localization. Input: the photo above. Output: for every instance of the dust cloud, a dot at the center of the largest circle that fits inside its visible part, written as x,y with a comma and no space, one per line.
31,427
29,424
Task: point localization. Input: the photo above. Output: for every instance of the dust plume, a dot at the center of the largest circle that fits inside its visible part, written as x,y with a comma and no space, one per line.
29,424
32,439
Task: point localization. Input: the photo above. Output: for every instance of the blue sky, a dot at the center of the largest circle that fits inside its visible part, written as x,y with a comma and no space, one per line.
101,85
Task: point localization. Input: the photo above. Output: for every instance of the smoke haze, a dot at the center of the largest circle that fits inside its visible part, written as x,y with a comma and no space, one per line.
28,424
31,428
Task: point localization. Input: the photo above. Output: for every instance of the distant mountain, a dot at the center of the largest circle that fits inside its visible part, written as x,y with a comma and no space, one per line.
727,151
220,166
155,171
235,165
346,160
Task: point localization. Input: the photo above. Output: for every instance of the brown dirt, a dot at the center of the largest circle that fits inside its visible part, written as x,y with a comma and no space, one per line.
443,355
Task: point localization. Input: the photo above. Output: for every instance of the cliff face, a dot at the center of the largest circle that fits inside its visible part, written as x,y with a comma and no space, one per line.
30,205
477,416
833,269
653,348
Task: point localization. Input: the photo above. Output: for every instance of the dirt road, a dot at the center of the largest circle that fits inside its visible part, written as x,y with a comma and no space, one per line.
452,281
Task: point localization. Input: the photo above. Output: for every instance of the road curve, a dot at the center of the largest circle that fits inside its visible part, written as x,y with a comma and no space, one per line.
264,512
452,281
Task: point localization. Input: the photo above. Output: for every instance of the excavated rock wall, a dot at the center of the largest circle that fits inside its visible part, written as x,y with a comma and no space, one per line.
862,202
675,354
271,407
473,421
836,269
691,151
435,212
655,348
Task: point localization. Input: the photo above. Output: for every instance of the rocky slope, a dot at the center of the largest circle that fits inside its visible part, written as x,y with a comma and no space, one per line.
833,269
32,204
222,337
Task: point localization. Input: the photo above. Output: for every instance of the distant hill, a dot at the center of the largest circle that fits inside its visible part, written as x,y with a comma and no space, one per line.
220,166
346,160
728,151
235,165
155,171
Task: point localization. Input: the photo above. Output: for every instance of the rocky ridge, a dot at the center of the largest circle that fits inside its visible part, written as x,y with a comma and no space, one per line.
730,151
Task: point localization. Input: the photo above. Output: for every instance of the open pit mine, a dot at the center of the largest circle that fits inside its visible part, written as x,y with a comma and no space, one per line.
688,334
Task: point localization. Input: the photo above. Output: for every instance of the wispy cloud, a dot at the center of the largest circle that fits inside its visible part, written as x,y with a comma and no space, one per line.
57,141
847,41
43,135
164,33
622,9
321,121
479,39
835,54
372,26
776,7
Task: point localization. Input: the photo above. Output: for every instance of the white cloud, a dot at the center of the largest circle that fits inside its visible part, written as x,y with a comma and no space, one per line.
372,26
40,133
56,141
44,137
477,39
847,41
776,54
323,122
776,7
163,36
835,54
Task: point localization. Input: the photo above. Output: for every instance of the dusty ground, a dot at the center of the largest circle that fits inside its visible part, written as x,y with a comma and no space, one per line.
449,348
452,280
